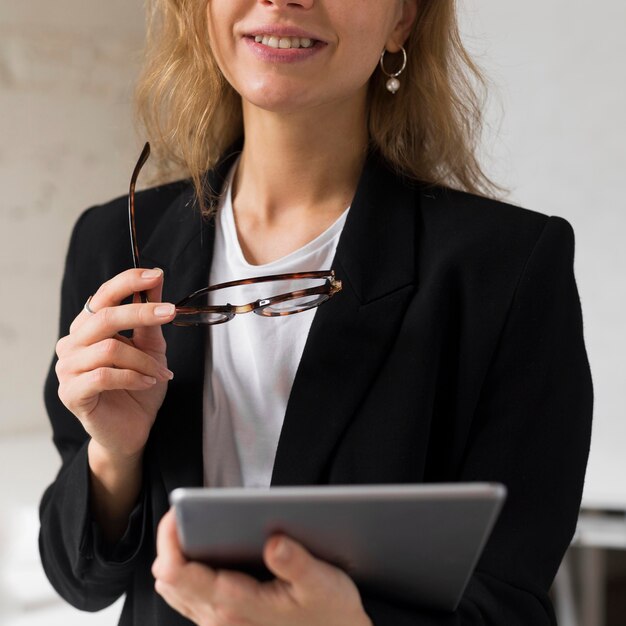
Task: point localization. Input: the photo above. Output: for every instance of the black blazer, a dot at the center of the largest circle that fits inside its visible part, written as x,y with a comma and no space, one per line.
455,352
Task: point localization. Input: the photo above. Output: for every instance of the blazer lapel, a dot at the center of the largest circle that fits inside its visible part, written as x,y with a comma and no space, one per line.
182,245
352,333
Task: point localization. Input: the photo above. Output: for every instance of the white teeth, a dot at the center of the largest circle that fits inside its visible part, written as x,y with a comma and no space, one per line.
284,43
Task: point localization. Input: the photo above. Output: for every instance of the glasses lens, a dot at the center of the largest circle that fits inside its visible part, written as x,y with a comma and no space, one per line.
293,305
187,317
191,314
274,298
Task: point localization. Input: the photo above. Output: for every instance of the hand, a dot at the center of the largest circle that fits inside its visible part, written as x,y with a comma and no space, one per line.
306,591
112,384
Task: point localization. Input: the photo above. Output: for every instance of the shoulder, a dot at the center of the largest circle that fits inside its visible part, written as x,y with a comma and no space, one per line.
100,241
109,221
471,226
151,206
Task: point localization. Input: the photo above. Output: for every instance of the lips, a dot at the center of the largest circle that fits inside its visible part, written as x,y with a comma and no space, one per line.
282,43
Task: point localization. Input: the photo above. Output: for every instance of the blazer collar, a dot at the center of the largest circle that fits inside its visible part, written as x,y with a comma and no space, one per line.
376,248
348,340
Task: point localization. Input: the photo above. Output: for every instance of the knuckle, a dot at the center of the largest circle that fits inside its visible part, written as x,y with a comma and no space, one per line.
105,288
226,587
59,368
160,344
60,346
226,615
145,315
61,392
65,396
99,376
129,378
168,575
109,347
106,316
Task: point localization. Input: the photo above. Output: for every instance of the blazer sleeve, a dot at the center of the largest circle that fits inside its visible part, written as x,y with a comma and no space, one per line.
531,431
85,571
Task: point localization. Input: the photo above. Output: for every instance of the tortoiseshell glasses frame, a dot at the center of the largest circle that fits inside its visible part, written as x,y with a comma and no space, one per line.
278,305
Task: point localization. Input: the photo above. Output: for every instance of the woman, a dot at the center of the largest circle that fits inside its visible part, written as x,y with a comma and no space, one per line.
453,352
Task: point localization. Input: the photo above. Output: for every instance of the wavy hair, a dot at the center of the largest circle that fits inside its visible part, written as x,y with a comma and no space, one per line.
428,131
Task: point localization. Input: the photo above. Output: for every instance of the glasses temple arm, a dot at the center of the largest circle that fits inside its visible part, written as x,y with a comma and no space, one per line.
145,153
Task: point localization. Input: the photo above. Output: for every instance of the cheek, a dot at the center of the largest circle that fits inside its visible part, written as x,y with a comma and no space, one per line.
361,45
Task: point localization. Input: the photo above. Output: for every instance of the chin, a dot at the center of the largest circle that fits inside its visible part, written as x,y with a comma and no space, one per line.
276,96
277,104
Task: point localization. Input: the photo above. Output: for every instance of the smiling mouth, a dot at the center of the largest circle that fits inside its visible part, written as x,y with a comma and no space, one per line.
284,43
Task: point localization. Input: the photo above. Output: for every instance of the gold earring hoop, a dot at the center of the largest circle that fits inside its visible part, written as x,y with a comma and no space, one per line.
393,84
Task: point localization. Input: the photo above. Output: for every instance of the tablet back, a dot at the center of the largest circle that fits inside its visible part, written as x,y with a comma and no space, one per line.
417,544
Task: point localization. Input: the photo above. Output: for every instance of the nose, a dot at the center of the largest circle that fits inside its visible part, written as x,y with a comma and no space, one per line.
283,4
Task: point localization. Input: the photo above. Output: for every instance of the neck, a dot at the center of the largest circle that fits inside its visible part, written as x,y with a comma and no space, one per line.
300,163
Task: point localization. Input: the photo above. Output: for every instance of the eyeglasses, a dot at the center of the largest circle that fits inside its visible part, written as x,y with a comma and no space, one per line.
194,310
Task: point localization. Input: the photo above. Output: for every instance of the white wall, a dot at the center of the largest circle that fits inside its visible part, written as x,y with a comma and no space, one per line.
561,148
66,70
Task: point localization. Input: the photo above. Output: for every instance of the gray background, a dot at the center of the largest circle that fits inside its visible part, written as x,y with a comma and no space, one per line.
555,137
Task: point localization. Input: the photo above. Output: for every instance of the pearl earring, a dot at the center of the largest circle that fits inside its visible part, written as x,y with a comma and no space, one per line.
393,84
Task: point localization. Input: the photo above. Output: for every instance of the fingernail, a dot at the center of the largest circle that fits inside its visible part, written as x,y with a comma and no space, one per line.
167,373
149,380
155,273
164,310
283,551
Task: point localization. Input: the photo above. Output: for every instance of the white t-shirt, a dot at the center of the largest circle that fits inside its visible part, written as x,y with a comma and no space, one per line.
251,361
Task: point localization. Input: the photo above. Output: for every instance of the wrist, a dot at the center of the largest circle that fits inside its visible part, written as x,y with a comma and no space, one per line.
115,487
102,459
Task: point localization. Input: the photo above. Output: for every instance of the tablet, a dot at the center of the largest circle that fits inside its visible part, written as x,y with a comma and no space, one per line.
411,543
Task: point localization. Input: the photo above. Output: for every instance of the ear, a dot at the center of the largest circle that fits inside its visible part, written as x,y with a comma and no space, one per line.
403,27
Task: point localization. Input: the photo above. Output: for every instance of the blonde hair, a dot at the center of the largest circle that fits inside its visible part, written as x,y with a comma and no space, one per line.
428,131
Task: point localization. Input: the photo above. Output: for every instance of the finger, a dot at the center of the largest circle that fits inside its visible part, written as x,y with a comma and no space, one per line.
193,583
114,291
291,562
112,353
170,559
109,321
80,393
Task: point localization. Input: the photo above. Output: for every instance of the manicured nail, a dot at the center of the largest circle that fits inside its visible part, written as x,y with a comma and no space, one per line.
155,273
167,373
164,310
283,551
149,380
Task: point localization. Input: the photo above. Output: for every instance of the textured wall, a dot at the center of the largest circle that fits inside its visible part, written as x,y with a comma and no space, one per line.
66,142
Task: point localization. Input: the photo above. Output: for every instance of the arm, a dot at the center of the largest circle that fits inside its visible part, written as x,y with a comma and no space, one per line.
531,431
92,516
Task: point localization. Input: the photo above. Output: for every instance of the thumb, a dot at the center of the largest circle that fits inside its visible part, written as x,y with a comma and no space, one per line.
293,564
150,338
